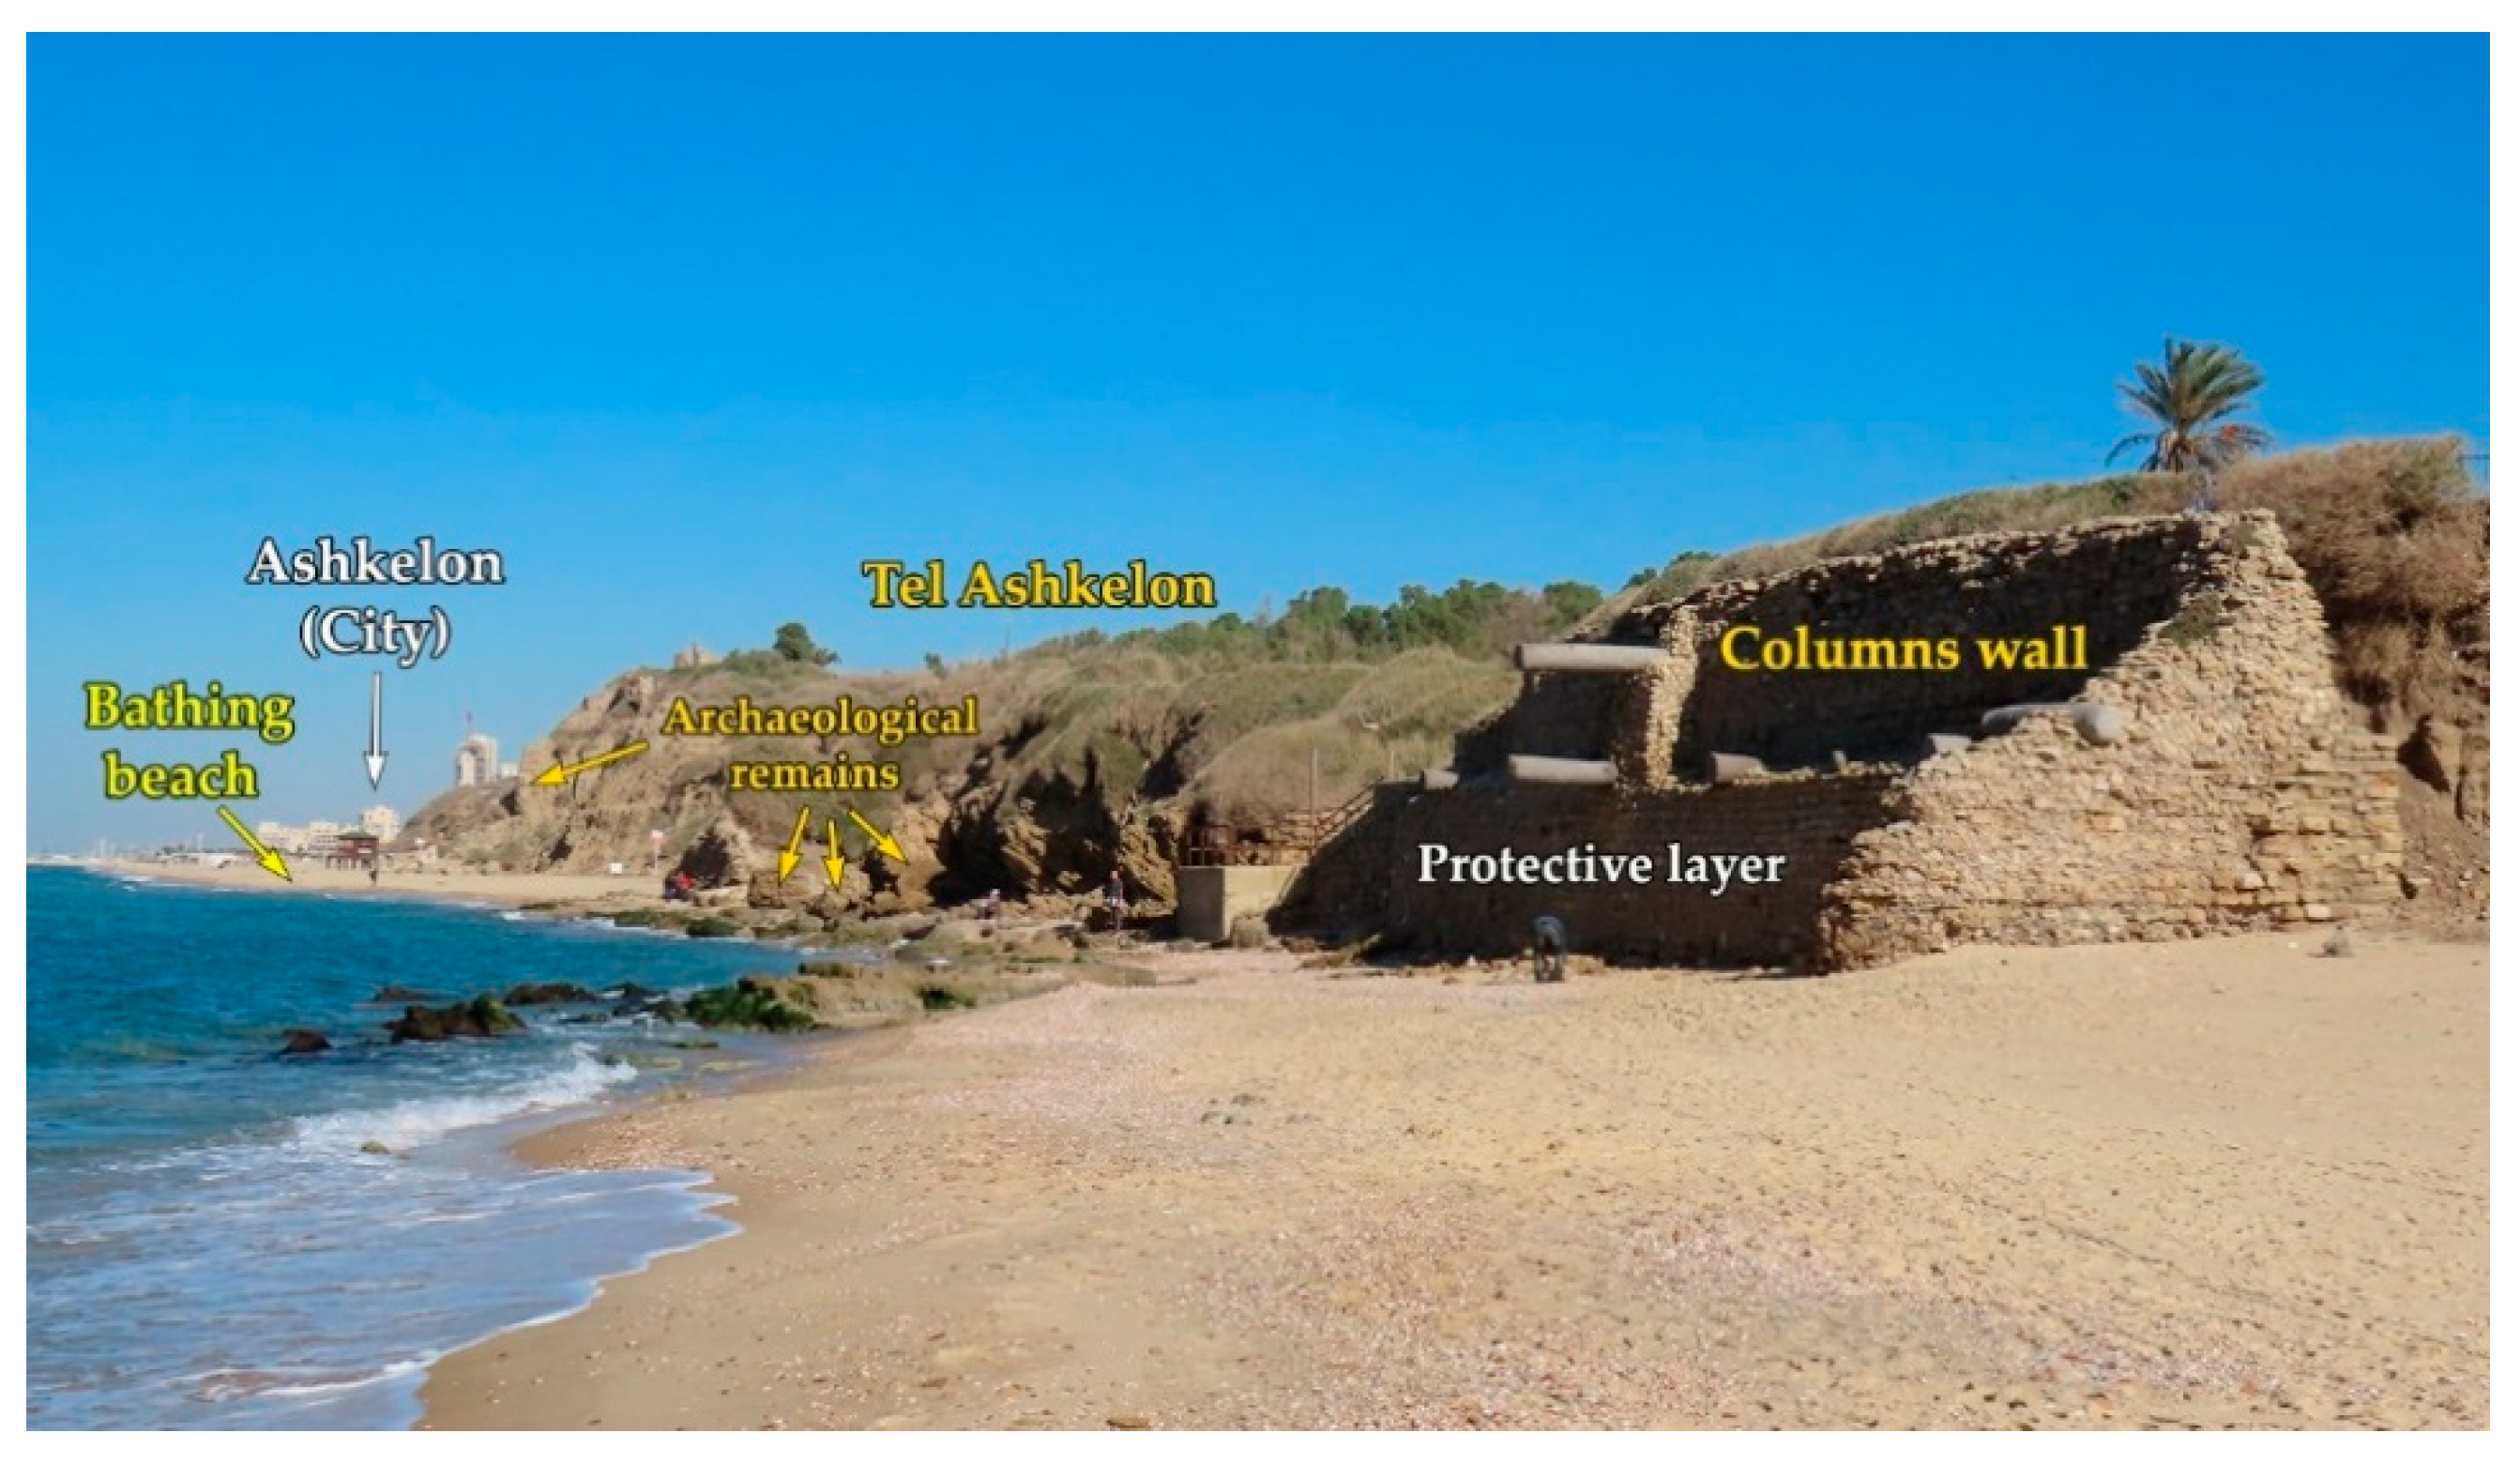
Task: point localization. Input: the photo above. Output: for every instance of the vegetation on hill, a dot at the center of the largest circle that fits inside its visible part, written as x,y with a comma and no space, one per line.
1249,718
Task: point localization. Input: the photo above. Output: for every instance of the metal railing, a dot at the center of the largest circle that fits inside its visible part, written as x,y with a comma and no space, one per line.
1290,839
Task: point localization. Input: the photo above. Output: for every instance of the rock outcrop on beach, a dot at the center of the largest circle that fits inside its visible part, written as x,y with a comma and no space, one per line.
481,1016
851,994
1077,770
722,857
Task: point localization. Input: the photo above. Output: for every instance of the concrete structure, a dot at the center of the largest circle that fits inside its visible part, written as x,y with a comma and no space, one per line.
2180,761
354,851
1212,896
380,821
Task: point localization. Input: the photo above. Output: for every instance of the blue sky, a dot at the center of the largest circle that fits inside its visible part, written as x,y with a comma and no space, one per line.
688,328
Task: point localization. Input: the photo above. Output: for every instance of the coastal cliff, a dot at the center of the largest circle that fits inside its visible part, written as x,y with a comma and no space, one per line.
1094,753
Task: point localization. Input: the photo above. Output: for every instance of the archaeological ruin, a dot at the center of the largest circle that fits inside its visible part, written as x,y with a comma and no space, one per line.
2124,730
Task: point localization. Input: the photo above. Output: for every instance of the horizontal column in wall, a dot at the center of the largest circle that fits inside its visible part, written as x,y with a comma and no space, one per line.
1584,655
1527,768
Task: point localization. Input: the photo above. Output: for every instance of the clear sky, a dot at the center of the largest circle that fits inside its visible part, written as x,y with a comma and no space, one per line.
688,328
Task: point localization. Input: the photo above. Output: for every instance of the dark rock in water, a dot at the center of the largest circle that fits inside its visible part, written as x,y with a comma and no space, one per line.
399,995
301,1041
633,991
546,993
481,1016
662,1008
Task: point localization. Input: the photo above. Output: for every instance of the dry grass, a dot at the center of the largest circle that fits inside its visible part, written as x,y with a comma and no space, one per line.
1984,511
2393,536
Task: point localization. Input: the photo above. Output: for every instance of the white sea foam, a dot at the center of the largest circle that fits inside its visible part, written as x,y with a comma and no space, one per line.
420,1121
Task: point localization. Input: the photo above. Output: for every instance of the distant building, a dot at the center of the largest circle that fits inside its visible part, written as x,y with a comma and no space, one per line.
693,657
355,851
477,759
380,822
315,837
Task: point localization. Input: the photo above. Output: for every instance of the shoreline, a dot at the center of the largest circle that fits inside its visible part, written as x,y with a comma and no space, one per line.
512,892
401,1262
552,1143
1946,1193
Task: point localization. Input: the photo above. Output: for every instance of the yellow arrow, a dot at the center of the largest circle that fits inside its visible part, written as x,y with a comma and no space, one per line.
883,841
263,854
795,842
559,773
835,864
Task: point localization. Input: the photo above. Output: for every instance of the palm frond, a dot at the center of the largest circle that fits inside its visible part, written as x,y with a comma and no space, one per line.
2193,388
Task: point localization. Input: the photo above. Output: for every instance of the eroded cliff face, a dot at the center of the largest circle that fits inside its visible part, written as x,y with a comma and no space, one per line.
969,817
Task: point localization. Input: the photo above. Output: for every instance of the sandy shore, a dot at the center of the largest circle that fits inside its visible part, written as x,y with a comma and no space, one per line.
2220,1184
307,876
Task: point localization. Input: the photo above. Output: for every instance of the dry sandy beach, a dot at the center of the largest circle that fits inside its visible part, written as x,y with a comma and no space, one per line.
2220,1183
309,876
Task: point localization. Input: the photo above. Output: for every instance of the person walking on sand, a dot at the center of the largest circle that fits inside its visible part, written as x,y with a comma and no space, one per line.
1115,894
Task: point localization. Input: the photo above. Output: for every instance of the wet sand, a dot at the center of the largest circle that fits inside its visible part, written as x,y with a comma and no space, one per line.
2212,1184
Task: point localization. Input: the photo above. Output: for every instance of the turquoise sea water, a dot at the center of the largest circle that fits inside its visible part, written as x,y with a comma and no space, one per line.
212,1240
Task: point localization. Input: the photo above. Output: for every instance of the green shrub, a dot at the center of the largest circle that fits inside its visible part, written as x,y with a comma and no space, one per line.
2198,622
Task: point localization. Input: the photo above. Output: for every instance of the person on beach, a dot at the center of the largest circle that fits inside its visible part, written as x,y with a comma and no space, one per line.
1548,949
1115,894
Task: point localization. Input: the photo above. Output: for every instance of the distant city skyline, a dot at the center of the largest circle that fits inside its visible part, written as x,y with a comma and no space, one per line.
686,329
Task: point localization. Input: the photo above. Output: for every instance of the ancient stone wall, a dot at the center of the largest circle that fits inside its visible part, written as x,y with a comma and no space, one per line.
2237,792
2111,580
2242,796
1813,821
1556,716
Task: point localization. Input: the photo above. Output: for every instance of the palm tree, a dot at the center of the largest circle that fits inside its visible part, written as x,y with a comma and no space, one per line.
2186,400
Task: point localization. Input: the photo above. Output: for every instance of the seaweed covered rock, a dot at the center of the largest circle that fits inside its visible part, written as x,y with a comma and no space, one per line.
546,993
756,1002
301,1041
481,1016
847,971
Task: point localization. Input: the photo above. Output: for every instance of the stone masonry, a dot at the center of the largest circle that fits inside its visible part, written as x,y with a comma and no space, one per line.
2237,792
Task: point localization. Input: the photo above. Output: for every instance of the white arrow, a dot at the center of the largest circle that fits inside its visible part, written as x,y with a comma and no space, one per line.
376,729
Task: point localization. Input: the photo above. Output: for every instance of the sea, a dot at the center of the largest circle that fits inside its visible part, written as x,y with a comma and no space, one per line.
221,1237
